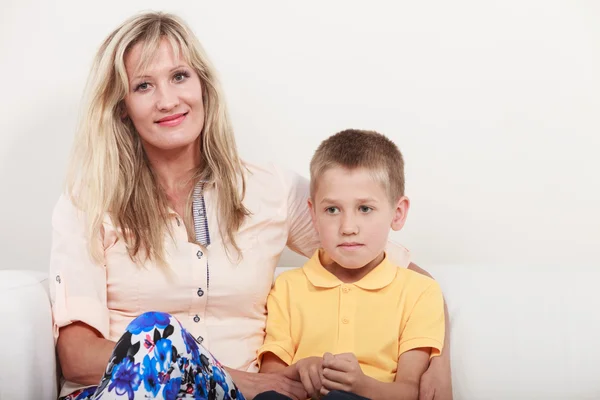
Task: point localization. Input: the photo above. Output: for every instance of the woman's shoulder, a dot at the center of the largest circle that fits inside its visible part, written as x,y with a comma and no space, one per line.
271,175
67,211
65,207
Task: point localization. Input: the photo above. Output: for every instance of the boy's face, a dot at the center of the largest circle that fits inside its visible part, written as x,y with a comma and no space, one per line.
353,215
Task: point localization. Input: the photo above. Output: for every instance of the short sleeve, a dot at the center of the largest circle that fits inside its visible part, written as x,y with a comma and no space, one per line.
278,339
425,325
302,236
77,282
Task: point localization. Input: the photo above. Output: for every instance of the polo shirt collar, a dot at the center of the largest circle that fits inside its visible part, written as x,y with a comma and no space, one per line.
381,276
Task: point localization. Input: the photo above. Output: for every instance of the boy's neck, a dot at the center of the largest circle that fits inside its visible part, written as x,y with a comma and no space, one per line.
348,275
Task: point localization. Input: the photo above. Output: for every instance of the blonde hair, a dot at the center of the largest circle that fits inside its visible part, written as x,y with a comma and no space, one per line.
354,148
109,171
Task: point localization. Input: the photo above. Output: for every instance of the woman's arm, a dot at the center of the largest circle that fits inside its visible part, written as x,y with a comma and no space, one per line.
83,353
282,381
78,294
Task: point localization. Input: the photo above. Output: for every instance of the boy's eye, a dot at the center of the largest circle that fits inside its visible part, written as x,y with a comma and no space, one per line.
332,210
365,209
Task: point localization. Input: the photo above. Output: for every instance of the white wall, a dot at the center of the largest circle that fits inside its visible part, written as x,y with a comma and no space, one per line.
495,105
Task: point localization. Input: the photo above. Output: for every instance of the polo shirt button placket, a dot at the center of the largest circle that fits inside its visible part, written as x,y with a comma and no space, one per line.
345,320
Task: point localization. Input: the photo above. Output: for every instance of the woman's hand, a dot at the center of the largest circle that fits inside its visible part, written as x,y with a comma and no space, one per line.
251,383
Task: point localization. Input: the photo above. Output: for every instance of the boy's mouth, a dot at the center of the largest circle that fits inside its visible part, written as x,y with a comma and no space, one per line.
350,245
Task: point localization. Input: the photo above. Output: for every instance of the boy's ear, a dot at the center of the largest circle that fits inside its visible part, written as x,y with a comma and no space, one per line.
313,216
400,213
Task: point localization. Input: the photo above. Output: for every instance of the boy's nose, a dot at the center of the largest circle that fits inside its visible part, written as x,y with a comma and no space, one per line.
349,227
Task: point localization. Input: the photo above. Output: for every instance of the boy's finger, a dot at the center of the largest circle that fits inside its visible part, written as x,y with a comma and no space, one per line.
335,376
331,385
328,358
339,365
306,382
315,378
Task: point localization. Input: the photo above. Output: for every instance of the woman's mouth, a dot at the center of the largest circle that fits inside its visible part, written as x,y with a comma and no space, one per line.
172,120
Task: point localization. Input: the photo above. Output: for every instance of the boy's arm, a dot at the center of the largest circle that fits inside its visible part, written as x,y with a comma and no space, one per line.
271,363
343,372
422,337
411,366
436,382
278,346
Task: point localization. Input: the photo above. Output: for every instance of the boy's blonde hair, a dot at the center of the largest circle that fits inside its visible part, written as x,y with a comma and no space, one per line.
109,172
355,148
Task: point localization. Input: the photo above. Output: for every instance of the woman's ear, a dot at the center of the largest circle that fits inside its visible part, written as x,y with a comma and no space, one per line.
122,110
400,213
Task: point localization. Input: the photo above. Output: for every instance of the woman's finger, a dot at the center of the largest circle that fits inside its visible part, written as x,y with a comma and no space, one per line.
291,388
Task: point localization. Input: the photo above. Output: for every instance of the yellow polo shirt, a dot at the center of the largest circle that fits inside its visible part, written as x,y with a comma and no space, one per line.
388,312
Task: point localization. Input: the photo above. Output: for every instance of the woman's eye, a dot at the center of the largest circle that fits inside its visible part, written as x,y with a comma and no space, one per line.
365,209
332,210
180,76
142,86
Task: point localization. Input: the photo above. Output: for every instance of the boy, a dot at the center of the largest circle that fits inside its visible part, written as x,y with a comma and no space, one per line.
350,324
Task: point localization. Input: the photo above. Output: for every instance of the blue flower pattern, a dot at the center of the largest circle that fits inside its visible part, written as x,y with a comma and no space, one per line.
148,321
125,378
158,358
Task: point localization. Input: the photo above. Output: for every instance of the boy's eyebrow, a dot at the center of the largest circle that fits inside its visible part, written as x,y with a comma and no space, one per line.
327,200
360,200
367,200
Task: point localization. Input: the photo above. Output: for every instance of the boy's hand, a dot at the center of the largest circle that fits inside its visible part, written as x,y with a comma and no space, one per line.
342,372
309,370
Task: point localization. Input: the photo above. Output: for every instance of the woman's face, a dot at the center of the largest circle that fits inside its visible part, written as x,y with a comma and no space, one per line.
164,101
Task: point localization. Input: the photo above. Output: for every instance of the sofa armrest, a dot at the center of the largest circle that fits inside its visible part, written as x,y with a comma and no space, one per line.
27,355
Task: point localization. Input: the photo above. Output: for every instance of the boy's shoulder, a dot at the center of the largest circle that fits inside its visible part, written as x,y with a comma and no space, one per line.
290,274
290,277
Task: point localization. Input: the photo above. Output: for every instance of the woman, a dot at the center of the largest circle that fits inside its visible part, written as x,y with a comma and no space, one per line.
156,254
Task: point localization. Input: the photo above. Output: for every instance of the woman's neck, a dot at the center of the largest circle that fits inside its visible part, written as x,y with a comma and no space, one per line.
174,169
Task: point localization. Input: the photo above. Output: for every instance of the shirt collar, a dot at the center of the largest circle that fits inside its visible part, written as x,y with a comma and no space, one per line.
201,185
381,276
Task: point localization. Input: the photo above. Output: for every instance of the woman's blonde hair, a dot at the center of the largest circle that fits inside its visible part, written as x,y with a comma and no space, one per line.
109,172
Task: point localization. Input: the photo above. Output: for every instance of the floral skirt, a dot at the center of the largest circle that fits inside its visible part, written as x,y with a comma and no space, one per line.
157,358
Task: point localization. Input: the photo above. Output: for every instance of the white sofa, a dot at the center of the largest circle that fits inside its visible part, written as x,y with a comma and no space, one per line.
516,333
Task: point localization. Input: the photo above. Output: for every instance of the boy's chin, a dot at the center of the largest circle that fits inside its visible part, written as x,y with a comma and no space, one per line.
347,262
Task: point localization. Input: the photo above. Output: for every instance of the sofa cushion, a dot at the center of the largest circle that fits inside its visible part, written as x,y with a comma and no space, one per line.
27,356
